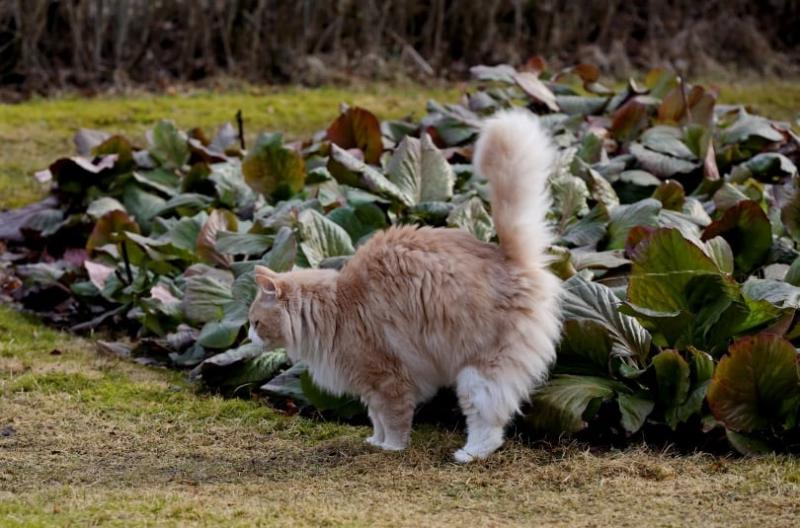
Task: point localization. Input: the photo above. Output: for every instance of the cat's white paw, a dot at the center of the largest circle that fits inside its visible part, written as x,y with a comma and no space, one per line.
389,446
371,440
462,457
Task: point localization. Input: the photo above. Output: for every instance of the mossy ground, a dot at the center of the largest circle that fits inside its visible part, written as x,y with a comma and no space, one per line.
88,439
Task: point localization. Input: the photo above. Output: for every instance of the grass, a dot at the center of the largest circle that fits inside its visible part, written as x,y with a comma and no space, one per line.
94,440
88,439
37,132
774,99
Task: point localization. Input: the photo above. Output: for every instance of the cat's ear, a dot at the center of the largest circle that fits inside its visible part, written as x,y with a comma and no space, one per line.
268,281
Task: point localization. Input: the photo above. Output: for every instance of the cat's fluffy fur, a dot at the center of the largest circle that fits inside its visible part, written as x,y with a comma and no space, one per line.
417,309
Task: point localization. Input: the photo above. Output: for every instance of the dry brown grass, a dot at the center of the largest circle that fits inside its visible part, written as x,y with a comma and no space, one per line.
97,441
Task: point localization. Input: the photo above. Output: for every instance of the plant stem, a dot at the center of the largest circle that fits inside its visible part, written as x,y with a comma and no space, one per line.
127,262
240,123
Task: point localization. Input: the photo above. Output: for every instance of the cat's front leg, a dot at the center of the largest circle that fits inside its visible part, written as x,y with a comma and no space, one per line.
391,419
378,436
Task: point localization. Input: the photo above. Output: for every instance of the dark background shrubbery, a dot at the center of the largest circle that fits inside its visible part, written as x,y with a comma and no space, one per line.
52,44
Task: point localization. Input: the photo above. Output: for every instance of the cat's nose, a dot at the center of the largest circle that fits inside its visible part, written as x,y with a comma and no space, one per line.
254,337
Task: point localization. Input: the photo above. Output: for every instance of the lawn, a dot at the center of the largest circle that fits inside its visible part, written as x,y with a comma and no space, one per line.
88,439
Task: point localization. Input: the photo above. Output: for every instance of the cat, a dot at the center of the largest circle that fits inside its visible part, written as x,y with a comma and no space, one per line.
420,308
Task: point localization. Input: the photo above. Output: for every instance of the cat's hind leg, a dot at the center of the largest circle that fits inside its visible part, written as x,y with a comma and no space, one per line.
488,405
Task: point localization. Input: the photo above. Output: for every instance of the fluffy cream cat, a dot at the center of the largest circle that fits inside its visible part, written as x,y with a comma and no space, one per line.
417,309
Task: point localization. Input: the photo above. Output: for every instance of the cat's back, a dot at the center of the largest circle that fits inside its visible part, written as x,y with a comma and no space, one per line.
441,250
434,264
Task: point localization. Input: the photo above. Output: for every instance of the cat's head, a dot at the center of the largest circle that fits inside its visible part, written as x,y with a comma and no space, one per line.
269,313
280,299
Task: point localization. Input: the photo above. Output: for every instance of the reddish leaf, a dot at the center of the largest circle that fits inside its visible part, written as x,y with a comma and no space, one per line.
629,120
587,72
671,195
756,385
109,229
636,236
358,128
672,108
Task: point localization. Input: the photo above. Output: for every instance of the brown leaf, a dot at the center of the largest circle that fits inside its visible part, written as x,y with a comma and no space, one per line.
672,108
358,128
535,65
629,120
587,72
109,229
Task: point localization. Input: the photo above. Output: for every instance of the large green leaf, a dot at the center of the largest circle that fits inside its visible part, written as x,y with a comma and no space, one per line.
349,170
274,170
663,267
206,294
359,220
345,406
678,291
756,385
634,410
232,189
662,165
767,166
560,405
747,229
219,334
420,171
776,292
241,368
142,205
322,238
673,383
594,307
229,243
472,216
749,126
625,217
168,145
284,250
667,140
244,291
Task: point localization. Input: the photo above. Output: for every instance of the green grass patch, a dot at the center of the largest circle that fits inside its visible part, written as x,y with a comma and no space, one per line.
774,99
37,132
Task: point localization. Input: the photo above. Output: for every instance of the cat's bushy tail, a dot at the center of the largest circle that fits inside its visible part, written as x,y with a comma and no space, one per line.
516,154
